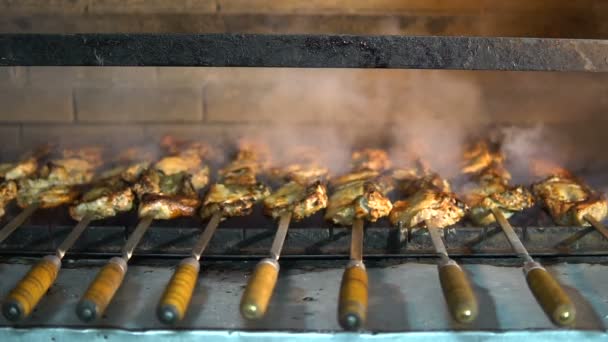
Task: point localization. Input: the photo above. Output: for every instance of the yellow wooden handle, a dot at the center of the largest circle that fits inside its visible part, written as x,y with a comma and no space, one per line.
24,297
101,291
260,287
458,292
550,295
178,293
352,307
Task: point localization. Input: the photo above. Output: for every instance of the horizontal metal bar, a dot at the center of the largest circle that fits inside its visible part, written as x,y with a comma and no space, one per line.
304,51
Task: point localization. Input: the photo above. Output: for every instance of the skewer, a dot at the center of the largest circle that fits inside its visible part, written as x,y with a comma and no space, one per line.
24,297
101,291
549,294
352,306
178,293
595,223
17,221
457,290
262,282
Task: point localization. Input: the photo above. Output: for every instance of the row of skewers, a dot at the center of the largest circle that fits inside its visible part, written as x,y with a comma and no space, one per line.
169,187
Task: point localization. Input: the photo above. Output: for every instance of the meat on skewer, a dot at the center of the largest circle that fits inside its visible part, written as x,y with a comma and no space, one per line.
112,194
169,189
569,200
235,195
54,183
427,199
303,195
10,173
238,189
494,200
492,189
358,196
361,194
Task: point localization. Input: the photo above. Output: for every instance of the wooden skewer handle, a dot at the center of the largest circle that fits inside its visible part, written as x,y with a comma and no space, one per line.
352,306
260,287
549,294
24,297
101,291
178,293
458,293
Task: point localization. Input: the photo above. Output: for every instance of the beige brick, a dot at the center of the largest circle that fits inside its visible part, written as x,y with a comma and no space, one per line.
95,76
347,6
36,104
10,144
116,135
29,7
125,104
152,6
12,76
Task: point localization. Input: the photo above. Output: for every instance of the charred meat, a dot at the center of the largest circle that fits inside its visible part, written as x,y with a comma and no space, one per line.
492,189
8,192
238,189
106,199
362,193
54,184
569,200
427,198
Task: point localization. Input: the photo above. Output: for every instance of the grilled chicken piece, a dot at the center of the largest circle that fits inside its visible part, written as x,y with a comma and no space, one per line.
8,192
165,196
238,189
302,200
13,171
106,199
233,199
362,193
493,191
568,200
428,198
53,185
479,157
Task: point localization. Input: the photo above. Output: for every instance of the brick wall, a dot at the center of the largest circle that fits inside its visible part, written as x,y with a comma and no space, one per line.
134,105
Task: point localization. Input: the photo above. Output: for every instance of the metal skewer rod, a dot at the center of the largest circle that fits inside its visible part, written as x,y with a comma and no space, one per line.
101,291
24,297
353,300
549,294
456,287
600,227
178,293
17,221
263,280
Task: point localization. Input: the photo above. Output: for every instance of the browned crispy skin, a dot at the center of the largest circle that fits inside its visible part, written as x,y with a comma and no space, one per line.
166,197
568,200
361,194
302,200
22,169
54,184
491,189
8,192
428,198
107,198
238,189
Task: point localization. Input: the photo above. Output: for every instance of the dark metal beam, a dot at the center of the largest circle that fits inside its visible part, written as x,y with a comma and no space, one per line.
305,51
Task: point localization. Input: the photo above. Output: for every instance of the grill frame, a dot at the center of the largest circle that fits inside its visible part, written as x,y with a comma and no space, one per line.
304,51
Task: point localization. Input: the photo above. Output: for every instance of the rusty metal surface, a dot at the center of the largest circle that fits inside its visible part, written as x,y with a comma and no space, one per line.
306,51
